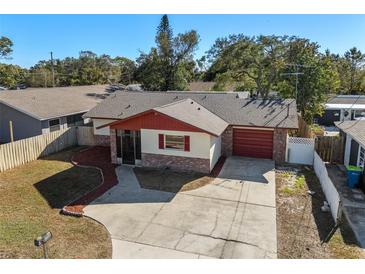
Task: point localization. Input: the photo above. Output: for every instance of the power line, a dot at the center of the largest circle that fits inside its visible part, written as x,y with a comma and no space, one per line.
296,74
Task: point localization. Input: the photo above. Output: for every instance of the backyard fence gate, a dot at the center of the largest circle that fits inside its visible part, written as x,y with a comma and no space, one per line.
300,150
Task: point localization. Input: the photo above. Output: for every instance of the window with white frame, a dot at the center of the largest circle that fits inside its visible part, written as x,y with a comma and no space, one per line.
174,142
361,157
54,125
359,114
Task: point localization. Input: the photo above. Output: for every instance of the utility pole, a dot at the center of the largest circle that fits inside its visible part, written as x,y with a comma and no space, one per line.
296,74
11,131
53,81
45,79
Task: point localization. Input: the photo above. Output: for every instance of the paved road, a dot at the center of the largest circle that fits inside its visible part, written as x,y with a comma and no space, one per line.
233,217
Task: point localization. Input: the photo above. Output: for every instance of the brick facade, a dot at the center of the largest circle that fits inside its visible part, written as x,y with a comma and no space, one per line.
227,139
102,140
176,162
280,139
113,146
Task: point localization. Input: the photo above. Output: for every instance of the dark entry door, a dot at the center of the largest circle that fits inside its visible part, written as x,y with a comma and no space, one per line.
354,152
128,154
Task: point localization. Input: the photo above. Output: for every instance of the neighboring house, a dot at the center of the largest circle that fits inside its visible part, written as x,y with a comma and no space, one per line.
342,108
43,110
354,133
190,130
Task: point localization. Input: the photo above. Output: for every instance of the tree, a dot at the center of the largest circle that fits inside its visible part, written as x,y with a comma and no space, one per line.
354,63
127,69
264,63
259,59
87,69
11,75
318,76
5,47
170,61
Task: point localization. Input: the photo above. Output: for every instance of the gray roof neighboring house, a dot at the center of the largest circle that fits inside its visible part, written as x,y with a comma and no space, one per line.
346,99
48,103
355,128
192,113
228,106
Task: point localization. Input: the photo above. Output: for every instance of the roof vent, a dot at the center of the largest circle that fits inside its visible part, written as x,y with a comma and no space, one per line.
191,102
177,97
204,97
120,114
198,108
128,106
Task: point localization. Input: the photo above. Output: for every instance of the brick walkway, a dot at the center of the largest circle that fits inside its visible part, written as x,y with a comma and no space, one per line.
97,157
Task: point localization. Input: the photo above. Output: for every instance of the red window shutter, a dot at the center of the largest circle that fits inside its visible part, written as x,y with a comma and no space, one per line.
187,143
161,140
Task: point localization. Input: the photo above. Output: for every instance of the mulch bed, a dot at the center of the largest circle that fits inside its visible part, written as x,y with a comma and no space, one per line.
218,167
97,157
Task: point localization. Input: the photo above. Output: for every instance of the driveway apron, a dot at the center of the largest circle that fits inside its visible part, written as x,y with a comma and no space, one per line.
233,217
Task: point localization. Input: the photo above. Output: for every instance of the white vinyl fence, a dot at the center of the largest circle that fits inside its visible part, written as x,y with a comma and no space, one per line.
300,150
23,151
332,196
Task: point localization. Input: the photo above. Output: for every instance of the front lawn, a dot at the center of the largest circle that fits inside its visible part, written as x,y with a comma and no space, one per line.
301,224
31,198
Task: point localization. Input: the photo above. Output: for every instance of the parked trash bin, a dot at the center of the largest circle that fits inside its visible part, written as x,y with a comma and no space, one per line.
353,175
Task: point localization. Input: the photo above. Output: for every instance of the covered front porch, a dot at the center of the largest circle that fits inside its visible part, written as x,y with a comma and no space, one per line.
127,148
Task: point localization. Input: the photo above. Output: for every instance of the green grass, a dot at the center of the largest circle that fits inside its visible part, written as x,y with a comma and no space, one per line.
317,129
300,182
294,184
31,197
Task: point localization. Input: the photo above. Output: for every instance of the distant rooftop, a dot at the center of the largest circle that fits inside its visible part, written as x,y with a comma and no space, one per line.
355,128
346,99
47,103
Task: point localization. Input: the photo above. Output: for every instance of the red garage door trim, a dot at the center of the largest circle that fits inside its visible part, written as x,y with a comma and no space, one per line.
253,143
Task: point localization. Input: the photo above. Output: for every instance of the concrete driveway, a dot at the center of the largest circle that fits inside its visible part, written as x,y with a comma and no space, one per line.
233,217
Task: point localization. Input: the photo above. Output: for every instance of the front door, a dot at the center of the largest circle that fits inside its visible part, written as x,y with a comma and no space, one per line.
128,147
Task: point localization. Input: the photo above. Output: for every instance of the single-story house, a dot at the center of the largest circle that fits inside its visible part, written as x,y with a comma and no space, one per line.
354,133
342,108
37,111
191,130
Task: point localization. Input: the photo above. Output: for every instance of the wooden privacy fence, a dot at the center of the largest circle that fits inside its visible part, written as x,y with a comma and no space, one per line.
304,130
23,151
85,136
330,148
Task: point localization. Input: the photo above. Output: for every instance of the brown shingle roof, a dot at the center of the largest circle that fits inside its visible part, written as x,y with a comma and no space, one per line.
355,128
46,103
192,113
281,113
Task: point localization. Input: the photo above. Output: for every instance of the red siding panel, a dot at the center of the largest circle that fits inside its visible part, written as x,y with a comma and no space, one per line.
154,120
253,143
161,141
187,143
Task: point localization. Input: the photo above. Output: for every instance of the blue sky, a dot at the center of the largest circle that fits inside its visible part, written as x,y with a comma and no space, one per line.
34,36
